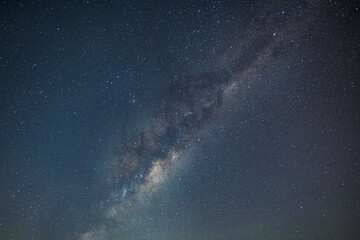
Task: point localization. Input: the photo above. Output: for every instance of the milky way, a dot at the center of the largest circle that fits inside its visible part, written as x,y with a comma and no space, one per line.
140,167
173,120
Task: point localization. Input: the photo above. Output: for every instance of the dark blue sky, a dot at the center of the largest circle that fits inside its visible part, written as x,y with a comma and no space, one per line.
179,120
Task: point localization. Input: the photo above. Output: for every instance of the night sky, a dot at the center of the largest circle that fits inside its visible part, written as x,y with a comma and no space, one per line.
179,120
